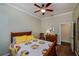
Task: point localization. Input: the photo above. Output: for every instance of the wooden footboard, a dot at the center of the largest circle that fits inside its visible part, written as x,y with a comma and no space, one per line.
51,51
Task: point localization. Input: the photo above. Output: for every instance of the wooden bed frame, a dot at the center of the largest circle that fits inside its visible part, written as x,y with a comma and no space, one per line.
50,52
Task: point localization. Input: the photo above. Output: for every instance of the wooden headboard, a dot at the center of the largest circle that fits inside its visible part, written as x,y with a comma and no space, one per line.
13,34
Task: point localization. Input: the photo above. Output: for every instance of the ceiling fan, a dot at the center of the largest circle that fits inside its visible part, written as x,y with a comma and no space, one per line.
43,8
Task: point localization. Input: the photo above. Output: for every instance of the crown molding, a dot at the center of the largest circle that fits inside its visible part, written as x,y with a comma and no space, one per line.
57,15
19,9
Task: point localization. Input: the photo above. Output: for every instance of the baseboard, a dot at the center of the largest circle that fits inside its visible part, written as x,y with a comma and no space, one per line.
76,53
65,41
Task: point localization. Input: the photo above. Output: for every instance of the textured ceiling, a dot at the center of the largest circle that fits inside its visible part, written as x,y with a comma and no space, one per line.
57,7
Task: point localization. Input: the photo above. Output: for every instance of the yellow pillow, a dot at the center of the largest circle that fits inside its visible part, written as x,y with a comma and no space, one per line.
30,37
20,39
12,51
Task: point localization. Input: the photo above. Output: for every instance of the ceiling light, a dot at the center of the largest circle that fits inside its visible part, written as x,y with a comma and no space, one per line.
43,10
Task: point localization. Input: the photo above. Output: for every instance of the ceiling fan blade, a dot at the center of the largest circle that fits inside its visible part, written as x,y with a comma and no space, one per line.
48,4
37,5
36,11
49,10
42,5
43,13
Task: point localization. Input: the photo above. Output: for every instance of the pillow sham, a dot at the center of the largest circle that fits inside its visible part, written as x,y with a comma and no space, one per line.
20,39
30,37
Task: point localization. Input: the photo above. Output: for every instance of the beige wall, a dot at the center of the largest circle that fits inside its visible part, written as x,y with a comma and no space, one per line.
56,21
12,20
75,16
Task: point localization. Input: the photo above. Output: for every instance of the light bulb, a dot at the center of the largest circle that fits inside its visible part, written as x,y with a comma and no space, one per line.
43,10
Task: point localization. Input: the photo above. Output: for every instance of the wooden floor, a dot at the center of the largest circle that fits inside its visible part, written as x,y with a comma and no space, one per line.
64,50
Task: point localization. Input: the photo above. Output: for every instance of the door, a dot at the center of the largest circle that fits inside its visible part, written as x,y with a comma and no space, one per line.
65,32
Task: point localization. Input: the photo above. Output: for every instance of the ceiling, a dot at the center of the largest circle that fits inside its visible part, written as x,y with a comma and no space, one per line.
30,8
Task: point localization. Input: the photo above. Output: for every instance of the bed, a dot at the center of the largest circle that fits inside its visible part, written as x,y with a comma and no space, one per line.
36,47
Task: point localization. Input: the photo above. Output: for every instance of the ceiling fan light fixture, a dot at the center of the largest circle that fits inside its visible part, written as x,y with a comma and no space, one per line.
43,10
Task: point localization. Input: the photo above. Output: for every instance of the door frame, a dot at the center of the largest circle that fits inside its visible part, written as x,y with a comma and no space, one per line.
74,36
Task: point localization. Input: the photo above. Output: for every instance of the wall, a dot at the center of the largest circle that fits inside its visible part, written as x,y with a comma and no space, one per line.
75,16
12,20
55,21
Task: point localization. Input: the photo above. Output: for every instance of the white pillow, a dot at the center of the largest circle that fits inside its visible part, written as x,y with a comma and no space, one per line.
14,40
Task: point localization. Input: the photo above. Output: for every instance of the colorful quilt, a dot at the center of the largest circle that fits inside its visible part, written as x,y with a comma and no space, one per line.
34,47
